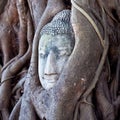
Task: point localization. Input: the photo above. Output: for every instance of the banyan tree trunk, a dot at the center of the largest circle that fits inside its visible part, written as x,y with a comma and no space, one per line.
86,88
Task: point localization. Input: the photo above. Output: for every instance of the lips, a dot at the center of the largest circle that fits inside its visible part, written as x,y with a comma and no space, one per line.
48,81
50,78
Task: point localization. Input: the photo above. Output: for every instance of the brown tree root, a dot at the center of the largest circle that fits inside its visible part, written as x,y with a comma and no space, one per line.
9,62
18,85
5,114
83,108
17,66
103,98
8,19
22,12
103,58
15,112
36,13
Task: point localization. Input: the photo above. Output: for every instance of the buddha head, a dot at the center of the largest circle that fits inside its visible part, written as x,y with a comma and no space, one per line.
55,47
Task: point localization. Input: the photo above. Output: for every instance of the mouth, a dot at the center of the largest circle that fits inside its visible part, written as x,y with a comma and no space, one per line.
50,80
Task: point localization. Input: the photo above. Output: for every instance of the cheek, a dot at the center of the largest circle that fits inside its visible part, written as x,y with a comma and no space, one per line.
61,63
42,63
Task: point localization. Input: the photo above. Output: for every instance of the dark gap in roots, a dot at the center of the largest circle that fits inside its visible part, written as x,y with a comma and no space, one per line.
114,13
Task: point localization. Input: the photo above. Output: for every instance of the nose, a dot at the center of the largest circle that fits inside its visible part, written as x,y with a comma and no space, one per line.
51,68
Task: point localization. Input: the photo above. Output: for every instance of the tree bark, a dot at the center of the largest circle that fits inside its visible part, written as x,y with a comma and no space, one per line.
87,88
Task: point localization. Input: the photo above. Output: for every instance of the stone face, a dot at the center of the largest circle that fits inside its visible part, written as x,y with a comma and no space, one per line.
55,47
54,52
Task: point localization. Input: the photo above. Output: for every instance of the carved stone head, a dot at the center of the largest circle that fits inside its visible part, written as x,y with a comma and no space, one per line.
55,46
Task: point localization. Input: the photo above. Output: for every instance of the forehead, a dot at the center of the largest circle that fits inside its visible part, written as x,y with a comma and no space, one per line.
63,40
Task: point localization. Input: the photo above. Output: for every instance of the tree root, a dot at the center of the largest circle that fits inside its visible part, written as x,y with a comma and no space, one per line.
105,44
22,12
15,112
38,12
8,19
18,85
17,66
98,72
88,108
5,114
9,62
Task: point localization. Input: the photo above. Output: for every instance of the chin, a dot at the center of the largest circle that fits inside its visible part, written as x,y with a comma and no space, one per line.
49,84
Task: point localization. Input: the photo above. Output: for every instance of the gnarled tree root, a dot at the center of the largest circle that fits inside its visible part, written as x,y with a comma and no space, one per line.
15,112
17,66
